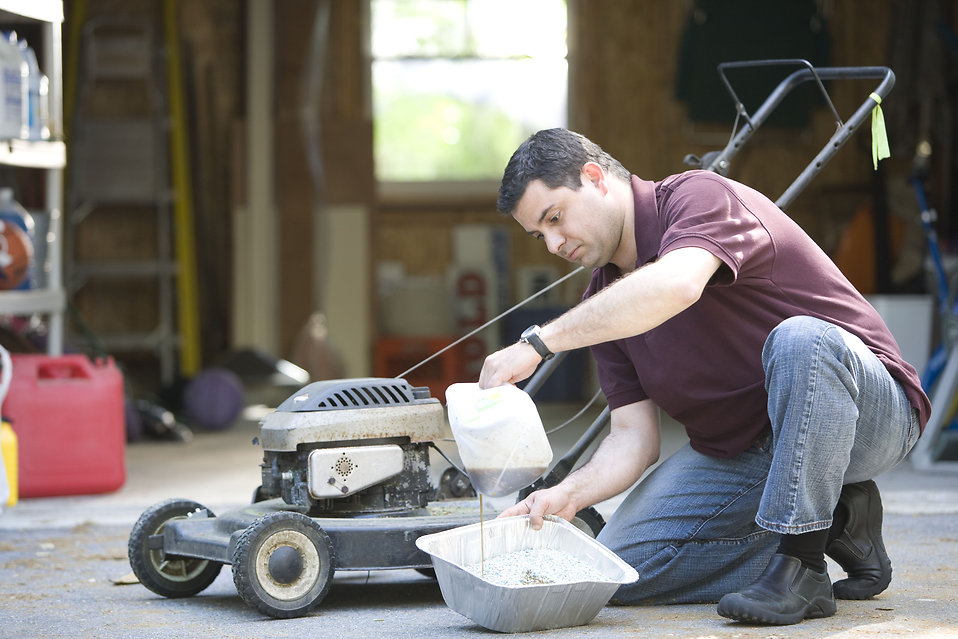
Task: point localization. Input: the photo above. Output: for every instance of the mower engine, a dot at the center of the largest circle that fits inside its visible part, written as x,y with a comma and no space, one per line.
352,447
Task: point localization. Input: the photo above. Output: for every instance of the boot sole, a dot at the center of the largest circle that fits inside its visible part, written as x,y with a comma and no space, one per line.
849,590
745,610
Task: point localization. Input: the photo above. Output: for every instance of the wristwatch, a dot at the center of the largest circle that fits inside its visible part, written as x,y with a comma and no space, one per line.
531,337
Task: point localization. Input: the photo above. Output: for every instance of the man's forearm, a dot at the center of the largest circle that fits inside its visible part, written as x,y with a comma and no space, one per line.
635,303
619,461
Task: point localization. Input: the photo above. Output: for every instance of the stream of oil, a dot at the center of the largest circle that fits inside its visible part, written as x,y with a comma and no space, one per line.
482,546
497,478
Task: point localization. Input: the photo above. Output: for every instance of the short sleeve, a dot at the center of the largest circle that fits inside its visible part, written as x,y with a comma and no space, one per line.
617,376
705,212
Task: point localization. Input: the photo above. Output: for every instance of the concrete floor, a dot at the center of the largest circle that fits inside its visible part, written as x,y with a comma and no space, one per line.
61,559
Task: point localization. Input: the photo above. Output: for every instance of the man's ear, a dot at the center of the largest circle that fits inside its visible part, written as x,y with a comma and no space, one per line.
593,173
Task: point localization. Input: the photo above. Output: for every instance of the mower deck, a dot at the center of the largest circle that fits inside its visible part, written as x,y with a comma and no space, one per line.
377,542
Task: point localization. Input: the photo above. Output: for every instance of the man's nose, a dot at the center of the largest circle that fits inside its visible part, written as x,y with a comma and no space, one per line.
554,242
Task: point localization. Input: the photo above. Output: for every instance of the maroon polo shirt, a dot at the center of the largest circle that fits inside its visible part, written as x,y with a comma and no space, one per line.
703,367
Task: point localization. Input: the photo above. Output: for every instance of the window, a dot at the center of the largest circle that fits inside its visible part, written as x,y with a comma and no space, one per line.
459,84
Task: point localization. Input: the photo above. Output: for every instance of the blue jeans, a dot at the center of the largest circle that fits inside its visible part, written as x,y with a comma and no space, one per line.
698,527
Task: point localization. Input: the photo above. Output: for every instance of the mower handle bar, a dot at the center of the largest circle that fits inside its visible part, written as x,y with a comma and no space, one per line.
719,162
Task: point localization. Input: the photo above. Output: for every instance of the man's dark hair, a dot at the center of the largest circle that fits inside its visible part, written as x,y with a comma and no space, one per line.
556,157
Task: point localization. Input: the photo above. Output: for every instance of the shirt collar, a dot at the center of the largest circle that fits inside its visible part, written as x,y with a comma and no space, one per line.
647,238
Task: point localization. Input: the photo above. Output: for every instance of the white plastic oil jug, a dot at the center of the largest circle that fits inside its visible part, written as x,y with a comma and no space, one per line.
10,87
500,437
30,125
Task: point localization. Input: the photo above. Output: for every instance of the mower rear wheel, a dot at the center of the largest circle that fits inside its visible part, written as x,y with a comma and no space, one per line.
591,521
283,565
168,575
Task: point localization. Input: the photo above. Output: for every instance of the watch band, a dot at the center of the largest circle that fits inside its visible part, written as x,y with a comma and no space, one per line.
531,337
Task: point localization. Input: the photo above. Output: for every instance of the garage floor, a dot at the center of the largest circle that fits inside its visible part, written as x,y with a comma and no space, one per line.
63,563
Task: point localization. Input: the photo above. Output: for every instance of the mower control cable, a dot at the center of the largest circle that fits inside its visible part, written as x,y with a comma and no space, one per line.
492,321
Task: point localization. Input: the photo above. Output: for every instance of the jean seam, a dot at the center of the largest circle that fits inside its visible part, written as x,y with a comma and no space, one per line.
802,434
792,529
725,541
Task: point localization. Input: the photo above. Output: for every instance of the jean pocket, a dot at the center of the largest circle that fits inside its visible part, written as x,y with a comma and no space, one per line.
914,431
763,444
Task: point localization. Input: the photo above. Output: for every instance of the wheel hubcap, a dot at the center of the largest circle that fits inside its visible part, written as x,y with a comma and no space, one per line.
287,565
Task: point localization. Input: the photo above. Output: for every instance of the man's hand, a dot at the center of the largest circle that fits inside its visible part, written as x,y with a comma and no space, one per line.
630,448
550,501
509,366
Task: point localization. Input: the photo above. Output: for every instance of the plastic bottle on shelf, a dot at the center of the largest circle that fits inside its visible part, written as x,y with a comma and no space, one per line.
10,87
30,125
12,212
44,89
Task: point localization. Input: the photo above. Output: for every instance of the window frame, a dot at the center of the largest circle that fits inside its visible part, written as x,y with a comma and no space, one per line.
400,193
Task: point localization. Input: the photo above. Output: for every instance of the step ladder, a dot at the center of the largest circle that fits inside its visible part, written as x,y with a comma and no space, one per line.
120,265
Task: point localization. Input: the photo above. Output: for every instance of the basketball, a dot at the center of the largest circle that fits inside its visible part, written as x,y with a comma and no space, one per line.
16,253
214,399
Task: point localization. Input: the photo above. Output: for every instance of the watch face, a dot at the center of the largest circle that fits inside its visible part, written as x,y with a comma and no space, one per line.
531,337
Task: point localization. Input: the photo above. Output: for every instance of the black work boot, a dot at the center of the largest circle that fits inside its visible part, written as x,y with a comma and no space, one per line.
785,593
859,549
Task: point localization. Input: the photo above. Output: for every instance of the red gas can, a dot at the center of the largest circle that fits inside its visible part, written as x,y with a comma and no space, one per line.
68,415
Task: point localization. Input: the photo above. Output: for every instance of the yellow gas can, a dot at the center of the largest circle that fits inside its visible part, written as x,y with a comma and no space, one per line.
8,442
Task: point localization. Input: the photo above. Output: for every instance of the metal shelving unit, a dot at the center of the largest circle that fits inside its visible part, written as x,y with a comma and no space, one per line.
43,155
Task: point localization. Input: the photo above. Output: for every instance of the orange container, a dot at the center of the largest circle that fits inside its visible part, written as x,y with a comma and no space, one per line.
395,354
68,415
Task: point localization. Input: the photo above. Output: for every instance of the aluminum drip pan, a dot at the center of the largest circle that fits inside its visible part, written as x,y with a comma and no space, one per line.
525,607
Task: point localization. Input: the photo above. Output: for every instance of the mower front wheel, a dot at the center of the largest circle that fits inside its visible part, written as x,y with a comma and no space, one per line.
168,575
283,565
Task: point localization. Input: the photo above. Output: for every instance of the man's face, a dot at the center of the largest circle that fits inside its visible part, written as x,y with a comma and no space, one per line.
579,226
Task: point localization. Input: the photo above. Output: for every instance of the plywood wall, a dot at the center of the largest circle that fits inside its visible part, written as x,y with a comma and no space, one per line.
625,65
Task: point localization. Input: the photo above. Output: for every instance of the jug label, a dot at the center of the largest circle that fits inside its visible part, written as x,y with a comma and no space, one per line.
484,401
